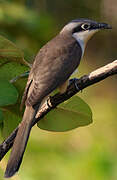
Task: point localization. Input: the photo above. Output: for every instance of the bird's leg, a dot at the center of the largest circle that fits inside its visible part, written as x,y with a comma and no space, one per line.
63,87
74,82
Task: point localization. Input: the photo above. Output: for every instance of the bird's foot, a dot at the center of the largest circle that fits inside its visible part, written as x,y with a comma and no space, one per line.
74,81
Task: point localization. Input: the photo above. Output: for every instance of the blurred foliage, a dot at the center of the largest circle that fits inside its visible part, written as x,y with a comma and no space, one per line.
87,153
24,26
8,93
12,64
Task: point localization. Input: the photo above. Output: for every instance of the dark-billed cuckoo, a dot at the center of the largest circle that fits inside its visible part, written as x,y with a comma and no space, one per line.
52,68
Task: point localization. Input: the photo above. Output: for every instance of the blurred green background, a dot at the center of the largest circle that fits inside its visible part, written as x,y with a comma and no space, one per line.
88,153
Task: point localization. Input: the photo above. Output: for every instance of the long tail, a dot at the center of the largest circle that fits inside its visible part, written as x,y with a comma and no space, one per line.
20,143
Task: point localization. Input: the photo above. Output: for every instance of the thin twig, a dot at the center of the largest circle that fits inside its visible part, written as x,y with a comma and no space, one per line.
76,86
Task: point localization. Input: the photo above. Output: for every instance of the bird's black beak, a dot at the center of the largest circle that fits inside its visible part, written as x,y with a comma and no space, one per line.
104,26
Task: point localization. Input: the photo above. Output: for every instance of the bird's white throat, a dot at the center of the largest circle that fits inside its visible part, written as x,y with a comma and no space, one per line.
83,37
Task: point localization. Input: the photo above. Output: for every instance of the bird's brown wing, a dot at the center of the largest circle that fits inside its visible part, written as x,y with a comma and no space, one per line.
24,97
54,64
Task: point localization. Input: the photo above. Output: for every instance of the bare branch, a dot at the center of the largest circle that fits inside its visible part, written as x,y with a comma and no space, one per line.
77,85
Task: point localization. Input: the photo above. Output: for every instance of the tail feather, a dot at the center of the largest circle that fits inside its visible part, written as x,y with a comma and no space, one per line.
20,142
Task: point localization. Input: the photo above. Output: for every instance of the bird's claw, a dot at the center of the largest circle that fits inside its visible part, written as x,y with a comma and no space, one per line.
71,81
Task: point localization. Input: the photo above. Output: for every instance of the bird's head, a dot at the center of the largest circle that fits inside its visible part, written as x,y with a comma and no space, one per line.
83,29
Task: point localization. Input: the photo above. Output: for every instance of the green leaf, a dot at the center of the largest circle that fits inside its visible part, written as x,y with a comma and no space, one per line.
9,52
11,121
8,93
12,69
72,114
1,117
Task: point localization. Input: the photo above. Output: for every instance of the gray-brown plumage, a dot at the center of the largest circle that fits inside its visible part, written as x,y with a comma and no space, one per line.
52,67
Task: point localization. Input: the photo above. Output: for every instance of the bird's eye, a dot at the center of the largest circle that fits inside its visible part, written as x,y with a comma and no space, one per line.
85,26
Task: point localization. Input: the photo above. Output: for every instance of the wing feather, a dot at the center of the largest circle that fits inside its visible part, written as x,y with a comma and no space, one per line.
53,65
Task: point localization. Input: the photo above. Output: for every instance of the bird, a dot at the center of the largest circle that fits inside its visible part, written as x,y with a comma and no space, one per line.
54,64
